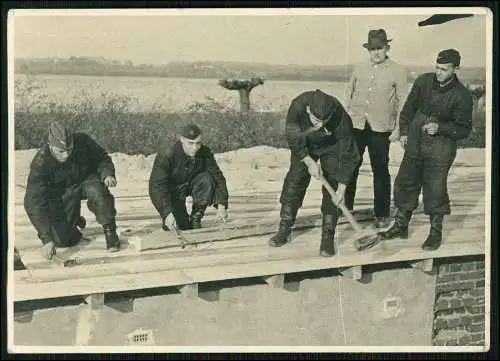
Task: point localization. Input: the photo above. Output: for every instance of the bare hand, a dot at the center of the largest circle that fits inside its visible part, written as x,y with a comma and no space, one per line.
431,128
394,136
221,213
403,140
340,194
49,250
170,222
110,181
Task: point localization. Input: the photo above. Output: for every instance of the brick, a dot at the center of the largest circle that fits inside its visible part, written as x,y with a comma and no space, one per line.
471,275
476,310
451,343
479,301
440,323
455,267
464,340
455,286
477,336
478,291
478,327
458,321
480,265
480,284
443,278
439,342
469,266
464,293
441,305
479,343
456,304
478,319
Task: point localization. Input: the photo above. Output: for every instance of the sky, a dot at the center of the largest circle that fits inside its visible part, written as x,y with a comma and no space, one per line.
319,37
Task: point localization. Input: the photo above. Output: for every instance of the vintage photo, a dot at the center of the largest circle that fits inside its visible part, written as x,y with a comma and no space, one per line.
242,180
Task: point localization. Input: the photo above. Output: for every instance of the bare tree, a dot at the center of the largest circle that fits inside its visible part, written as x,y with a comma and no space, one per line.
244,87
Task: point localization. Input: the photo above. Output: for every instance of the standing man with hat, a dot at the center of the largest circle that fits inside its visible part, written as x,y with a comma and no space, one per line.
375,94
187,168
69,168
317,128
437,113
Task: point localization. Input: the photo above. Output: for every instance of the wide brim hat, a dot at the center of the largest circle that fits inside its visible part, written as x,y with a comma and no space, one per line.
377,39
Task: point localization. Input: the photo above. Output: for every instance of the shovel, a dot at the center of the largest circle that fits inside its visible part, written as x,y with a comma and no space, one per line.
364,238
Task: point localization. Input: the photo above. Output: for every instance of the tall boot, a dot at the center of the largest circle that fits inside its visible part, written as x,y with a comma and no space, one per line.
327,248
435,237
400,227
196,216
287,215
112,240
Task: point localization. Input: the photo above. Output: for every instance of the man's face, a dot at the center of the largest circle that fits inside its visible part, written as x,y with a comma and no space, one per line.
444,72
191,146
378,54
61,155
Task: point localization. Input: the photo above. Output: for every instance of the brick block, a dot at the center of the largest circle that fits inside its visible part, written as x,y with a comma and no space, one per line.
480,265
477,336
464,340
439,342
471,275
447,277
478,292
440,323
478,327
441,305
458,321
480,284
469,266
451,343
459,285
476,310
455,267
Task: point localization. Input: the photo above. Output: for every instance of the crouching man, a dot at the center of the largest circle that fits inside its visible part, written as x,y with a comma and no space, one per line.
70,168
187,168
317,128
437,113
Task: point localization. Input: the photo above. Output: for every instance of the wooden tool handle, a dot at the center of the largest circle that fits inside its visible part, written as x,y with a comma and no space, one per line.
342,207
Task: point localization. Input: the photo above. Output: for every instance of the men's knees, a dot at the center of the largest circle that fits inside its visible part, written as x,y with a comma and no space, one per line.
96,191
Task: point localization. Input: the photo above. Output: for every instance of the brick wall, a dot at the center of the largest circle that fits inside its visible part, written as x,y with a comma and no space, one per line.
459,309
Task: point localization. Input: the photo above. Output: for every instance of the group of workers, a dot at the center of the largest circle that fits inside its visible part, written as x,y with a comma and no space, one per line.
326,137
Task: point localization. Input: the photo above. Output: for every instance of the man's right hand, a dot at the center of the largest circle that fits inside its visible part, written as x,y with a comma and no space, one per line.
403,140
48,250
313,167
170,222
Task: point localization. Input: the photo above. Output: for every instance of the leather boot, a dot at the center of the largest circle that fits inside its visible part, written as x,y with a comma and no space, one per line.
196,216
400,227
287,214
327,248
435,237
112,240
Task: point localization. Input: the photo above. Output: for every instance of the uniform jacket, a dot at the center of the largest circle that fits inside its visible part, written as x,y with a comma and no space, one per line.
450,106
48,179
337,132
174,170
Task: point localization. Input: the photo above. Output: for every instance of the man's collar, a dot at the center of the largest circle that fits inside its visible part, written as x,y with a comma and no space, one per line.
448,86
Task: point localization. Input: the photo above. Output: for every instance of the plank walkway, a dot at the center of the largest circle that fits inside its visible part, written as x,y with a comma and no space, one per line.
246,257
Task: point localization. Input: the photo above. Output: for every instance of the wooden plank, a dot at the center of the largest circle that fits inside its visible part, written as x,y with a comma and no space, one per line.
298,256
95,301
189,291
275,281
424,265
115,283
354,273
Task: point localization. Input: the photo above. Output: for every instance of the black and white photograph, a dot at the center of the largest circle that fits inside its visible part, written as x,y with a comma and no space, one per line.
249,180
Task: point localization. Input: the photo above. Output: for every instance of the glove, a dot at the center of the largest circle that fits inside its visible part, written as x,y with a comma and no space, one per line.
221,212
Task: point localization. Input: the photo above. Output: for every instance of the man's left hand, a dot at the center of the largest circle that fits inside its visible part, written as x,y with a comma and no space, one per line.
110,181
431,128
394,137
221,212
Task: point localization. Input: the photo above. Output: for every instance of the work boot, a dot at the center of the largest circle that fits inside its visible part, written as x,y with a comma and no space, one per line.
435,237
400,227
287,216
382,222
196,216
81,223
112,240
327,248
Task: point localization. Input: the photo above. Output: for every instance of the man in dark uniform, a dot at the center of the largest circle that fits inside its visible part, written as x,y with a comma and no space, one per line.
317,128
70,168
437,113
187,168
